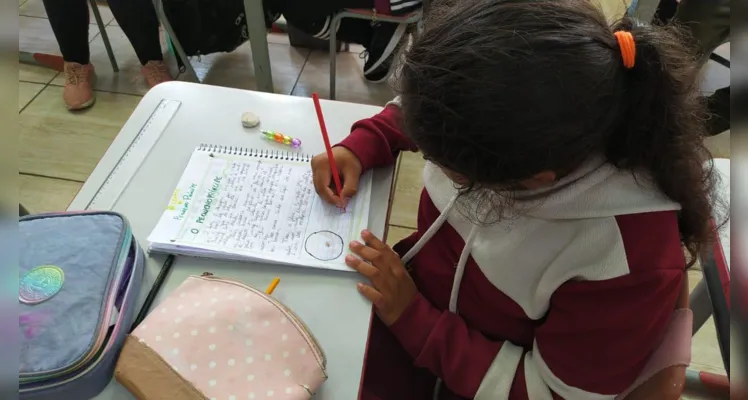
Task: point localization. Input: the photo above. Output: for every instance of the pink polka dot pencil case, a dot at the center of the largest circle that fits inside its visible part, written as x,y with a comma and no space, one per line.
216,338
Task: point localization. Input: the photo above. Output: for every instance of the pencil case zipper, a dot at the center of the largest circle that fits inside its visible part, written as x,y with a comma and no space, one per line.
319,354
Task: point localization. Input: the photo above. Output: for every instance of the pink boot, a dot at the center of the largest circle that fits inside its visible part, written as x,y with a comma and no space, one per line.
79,79
156,72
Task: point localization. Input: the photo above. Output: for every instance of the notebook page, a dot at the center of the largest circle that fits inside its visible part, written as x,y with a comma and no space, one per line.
258,209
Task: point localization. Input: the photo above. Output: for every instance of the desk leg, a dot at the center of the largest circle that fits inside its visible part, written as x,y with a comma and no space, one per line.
259,43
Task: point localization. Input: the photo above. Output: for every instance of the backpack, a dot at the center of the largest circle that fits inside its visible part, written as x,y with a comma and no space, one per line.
209,26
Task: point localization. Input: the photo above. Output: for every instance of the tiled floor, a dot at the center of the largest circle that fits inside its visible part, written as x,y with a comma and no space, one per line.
59,149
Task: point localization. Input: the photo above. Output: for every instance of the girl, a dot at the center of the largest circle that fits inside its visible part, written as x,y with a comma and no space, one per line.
564,175
69,20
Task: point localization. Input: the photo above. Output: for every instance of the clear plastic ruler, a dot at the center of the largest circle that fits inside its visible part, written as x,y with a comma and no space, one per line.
136,152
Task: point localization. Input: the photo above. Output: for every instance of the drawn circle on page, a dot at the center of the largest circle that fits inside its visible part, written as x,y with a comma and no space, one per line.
40,284
324,245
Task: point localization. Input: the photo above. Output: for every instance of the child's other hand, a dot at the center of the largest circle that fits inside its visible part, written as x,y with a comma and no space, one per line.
350,170
393,289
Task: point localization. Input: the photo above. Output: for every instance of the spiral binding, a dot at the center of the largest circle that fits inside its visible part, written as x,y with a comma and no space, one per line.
258,153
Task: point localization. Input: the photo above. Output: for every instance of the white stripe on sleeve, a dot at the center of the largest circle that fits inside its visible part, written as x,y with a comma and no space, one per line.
498,380
397,7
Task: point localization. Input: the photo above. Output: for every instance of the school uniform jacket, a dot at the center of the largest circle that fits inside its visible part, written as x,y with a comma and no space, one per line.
566,301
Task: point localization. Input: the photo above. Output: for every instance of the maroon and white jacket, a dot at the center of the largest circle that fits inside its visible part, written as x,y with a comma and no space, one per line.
566,301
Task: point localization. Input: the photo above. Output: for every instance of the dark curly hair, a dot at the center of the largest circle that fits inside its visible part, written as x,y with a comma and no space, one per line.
501,90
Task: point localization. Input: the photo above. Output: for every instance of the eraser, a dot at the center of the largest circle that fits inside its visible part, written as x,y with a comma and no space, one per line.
250,120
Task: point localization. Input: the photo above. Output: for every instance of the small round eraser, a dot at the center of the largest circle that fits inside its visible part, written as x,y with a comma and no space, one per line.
250,120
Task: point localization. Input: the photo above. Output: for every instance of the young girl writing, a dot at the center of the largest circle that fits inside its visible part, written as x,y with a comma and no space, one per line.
564,177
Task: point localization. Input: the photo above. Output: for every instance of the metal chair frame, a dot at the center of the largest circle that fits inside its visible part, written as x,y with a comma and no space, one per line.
369,15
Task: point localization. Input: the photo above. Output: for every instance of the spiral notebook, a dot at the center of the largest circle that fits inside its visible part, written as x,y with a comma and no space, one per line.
244,204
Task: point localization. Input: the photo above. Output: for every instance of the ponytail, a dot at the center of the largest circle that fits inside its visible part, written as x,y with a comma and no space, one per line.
500,91
662,129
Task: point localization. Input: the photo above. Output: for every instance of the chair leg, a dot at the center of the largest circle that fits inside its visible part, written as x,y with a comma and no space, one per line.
104,35
643,10
720,309
161,15
258,43
333,53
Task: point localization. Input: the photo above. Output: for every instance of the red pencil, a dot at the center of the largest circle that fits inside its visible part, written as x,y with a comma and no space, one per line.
328,147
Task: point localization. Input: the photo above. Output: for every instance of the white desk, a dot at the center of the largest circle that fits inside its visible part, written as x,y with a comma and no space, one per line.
326,300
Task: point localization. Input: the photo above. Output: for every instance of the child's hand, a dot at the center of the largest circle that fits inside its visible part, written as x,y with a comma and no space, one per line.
393,288
350,170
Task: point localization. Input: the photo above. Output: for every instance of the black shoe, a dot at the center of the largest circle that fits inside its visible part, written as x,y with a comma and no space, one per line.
381,51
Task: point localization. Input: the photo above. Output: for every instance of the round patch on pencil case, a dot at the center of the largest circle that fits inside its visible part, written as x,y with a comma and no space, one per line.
40,284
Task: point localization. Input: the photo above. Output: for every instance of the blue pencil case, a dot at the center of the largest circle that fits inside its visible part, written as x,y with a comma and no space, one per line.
80,274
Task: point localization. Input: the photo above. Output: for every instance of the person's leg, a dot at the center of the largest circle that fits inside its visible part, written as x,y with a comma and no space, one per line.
69,21
709,25
139,22
314,17
379,38
386,40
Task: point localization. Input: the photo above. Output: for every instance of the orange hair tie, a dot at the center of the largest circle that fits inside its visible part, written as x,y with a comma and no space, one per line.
627,46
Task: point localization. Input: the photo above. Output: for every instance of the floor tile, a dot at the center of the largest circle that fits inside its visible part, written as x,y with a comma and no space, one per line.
35,35
351,85
705,354
35,8
278,38
719,145
40,194
35,73
714,76
723,50
407,190
236,69
693,396
696,266
60,144
396,234
26,92
128,79
694,276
